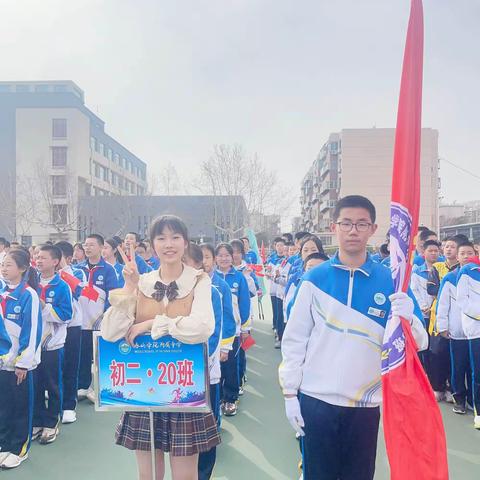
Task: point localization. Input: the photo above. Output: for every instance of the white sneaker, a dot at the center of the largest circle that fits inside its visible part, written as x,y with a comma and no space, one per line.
476,422
13,461
69,416
91,395
449,397
49,435
3,456
82,393
439,396
36,433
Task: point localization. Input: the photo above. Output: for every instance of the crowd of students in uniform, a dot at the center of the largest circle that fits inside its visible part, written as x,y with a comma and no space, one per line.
54,296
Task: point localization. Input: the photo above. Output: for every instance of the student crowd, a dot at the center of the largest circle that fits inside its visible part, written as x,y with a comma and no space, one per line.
54,296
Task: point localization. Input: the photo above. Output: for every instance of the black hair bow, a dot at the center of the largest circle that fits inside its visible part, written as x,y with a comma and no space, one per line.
162,290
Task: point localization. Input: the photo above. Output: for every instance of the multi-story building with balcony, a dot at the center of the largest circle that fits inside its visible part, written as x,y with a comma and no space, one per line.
53,150
359,161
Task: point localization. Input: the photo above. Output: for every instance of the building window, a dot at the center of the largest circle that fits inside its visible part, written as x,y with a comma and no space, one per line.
97,170
59,157
101,149
22,88
93,144
105,174
59,185
42,88
114,179
116,158
132,187
120,182
59,128
59,214
109,154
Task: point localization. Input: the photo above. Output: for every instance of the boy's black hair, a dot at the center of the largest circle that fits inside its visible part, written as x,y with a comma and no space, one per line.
171,222
429,243
98,238
316,256
66,248
461,238
355,201
287,237
142,245
424,234
54,251
289,244
466,244
299,235
195,253
226,246
238,244
278,239
209,247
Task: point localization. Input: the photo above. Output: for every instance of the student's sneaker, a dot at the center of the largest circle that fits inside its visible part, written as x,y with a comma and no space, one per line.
449,397
476,422
3,456
36,433
49,435
69,416
439,396
91,395
460,409
277,344
13,461
241,391
229,409
82,393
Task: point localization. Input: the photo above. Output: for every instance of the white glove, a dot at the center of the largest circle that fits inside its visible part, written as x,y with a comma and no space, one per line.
294,415
402,306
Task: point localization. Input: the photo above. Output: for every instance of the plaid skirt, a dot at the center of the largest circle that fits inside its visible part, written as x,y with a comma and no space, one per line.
180,434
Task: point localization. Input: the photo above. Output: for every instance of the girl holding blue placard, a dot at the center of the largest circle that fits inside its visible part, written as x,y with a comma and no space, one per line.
174,300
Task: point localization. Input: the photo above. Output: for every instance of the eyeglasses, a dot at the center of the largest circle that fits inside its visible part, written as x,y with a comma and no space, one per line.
348,226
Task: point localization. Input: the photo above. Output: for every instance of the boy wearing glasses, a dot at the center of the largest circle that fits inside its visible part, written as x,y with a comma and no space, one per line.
332,348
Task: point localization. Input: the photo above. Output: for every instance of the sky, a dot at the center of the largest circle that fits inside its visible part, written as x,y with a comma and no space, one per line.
173,78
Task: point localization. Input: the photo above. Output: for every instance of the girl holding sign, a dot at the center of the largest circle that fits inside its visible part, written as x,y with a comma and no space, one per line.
174,300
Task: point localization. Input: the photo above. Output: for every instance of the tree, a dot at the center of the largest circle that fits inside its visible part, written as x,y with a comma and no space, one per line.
231,174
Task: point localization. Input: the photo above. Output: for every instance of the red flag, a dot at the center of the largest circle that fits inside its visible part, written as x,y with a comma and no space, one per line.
413,427
248,343
73,282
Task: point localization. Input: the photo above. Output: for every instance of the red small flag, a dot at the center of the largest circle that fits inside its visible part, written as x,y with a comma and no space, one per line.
248,343
73,282
90,293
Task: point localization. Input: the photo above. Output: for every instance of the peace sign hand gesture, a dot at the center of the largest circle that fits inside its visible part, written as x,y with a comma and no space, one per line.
130,271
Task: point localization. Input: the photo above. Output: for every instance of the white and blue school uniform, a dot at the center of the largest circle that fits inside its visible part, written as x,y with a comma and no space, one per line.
332,355
73,341
20,339
283,269
153,263
206,460
142,265
418,285
102,278
251,257
238,285
468,299
449,319
118,267
229,326
48,376
275,265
